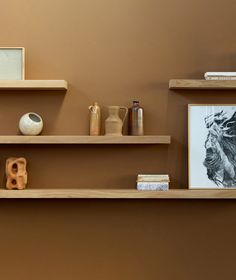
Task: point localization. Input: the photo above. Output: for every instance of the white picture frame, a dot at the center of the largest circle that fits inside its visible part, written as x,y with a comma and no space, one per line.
12,63
212,146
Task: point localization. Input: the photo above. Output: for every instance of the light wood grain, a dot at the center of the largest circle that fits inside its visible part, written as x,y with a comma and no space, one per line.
33,85
84,139
118,194
202,84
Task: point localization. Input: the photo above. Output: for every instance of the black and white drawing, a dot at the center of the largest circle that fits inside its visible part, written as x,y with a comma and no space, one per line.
212,146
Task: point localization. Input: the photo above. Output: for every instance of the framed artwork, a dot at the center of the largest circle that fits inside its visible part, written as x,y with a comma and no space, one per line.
212,146
12,63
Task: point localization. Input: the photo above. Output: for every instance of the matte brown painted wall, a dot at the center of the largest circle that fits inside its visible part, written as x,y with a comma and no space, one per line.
112,52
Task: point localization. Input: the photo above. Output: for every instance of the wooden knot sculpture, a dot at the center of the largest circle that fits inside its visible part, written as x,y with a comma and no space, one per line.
16,173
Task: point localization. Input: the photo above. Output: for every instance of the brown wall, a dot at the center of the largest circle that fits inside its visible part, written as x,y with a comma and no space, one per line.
113,52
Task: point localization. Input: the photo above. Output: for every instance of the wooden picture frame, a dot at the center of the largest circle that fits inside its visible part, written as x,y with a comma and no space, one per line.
12,63
212,146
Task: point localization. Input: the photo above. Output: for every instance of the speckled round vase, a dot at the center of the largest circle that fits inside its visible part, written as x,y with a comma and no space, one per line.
30,124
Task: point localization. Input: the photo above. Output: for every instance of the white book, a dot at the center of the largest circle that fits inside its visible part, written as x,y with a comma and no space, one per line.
222,75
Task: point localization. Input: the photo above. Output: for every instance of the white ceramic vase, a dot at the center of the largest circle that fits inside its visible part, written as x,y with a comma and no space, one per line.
30,124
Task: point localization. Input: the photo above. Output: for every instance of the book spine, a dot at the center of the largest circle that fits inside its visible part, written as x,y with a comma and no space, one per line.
153,178
142,186
220,74
221,78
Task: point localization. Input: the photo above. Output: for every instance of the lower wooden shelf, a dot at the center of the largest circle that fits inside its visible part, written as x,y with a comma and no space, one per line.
118,194
84,139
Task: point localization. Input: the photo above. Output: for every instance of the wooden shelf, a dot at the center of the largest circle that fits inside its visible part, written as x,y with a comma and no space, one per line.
202,84
118,194
33,85
84,139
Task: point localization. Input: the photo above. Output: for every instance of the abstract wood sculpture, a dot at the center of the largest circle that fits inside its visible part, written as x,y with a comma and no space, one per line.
16,173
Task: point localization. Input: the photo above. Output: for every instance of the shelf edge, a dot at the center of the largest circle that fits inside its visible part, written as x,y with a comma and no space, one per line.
115,194
85,139
33,85
194,84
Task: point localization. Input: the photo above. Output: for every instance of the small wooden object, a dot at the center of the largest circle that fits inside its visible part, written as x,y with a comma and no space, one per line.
16,173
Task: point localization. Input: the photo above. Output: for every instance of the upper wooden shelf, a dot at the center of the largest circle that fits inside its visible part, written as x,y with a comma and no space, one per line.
118,194
33,85
202,84
84,139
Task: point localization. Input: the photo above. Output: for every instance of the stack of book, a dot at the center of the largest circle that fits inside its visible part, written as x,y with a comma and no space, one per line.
154,182
220,75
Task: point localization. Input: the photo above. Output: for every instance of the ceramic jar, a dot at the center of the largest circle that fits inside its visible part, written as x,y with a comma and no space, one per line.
31,124
95,120
114,124
136,119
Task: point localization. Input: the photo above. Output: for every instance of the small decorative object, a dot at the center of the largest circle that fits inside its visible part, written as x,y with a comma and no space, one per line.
31,124
95,120
16,173
136,119
154,182
12,63
212,146
114,124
